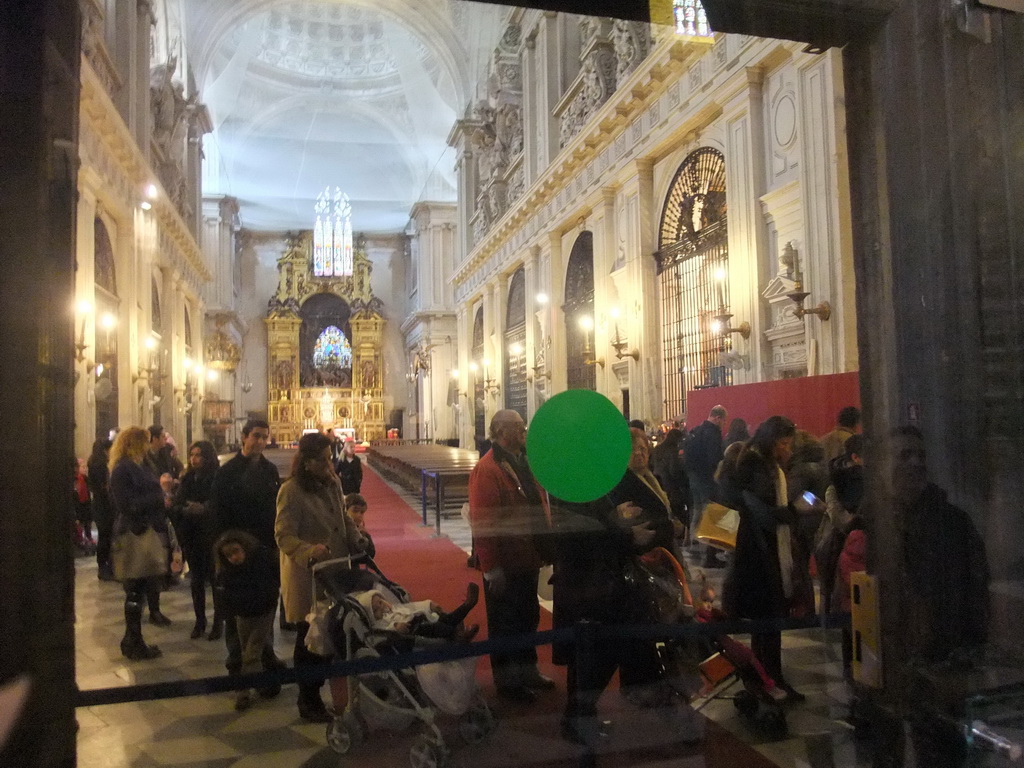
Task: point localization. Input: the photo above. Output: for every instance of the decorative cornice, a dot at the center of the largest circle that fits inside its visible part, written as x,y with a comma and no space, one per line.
99,114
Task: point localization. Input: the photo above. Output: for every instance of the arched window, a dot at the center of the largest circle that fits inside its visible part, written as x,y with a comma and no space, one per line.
515,344
579,313
477,355
332,350
106,330
103,264
156,319
690,18
332,235
693,271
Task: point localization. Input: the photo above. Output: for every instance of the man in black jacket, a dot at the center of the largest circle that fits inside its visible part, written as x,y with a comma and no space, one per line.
704,450
244,497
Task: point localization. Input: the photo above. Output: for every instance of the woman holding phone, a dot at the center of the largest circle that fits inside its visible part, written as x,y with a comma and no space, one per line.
769,577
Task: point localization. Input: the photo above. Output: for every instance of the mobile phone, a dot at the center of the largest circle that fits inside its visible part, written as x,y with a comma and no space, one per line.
810,498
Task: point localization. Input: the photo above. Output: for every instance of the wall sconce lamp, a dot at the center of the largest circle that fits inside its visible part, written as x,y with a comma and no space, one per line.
798,294
145,372
722,325
587,325
619,344
492,387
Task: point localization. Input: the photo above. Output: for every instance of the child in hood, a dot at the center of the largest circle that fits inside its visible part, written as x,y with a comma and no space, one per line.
247,585
423,618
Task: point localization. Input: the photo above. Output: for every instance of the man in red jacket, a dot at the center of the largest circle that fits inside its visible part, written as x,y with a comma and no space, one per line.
508,512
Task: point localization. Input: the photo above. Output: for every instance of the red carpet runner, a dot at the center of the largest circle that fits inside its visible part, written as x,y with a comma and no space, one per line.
435,568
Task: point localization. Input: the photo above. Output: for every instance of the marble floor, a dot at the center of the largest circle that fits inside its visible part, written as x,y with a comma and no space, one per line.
206,731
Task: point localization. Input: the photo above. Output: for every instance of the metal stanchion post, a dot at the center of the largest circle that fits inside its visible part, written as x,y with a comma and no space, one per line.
423,493
586,642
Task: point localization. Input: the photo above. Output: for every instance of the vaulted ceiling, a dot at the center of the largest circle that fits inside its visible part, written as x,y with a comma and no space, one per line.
359,94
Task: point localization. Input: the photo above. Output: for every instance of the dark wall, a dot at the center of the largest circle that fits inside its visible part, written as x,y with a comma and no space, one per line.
936,138
39,76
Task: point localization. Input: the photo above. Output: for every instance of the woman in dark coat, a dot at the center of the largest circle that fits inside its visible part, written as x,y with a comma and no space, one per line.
767,579
667,466
196,524
596,543
139,503
350,469
640,487
98,478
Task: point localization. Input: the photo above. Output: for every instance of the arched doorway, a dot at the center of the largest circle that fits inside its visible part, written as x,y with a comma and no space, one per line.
693,273
515,344
579,313
477,355
106,302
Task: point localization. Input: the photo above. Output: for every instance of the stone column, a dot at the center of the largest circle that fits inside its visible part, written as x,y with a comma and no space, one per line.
531,115
39,56
138,86
530,275
745,184
548,92
556,359
490,369
646,380
85,320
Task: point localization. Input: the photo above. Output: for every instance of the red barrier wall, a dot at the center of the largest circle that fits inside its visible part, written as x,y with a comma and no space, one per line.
811,401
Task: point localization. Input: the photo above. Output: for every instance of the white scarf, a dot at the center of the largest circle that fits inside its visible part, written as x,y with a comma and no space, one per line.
784,535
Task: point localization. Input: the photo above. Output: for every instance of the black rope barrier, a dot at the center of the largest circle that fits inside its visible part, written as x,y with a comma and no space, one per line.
589,631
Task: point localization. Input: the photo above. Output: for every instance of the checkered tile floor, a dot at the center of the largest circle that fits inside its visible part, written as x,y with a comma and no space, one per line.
206,732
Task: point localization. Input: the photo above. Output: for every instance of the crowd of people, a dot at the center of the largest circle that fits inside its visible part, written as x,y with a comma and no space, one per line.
254,541
248,539
798,499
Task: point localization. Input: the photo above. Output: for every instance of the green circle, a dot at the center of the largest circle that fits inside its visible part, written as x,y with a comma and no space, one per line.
578,445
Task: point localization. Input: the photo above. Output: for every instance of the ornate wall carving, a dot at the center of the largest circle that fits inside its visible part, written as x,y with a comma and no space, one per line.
596,81
632,41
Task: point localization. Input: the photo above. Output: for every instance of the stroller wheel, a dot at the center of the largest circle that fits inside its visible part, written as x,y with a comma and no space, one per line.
339,736
476,723
425,754
745,703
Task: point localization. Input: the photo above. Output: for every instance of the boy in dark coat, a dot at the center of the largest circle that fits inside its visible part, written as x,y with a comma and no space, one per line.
248,586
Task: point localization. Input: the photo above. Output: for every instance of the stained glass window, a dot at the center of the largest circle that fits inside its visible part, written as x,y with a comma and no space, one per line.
332,350
691,18
332,235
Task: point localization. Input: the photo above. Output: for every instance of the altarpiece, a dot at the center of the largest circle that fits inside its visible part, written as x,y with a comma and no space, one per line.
324,348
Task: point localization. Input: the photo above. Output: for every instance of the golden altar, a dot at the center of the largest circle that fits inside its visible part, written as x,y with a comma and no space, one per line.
324,348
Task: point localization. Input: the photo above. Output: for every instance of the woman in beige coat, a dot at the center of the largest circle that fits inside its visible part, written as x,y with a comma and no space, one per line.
311,526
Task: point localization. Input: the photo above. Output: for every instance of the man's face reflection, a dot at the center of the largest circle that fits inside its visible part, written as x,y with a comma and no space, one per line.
909,470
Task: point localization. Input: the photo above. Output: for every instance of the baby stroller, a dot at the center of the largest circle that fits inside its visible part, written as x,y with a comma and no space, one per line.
396,700
721,661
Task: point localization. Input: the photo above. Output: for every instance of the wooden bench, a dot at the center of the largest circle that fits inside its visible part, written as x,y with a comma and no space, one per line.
437,472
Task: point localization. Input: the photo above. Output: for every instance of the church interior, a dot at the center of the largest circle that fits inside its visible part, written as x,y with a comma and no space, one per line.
392,220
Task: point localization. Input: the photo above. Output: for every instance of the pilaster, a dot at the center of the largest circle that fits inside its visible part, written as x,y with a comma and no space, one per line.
744,169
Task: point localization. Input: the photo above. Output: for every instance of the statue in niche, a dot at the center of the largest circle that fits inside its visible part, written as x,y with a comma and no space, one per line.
369,374
509,129
284,372
168,105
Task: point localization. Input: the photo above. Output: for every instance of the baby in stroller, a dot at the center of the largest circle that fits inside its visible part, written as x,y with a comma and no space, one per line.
373,618
423,618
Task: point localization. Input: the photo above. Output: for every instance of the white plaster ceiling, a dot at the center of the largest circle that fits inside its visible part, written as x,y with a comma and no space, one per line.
359,94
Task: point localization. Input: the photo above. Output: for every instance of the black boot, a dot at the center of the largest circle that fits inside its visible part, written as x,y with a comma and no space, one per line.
133,647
